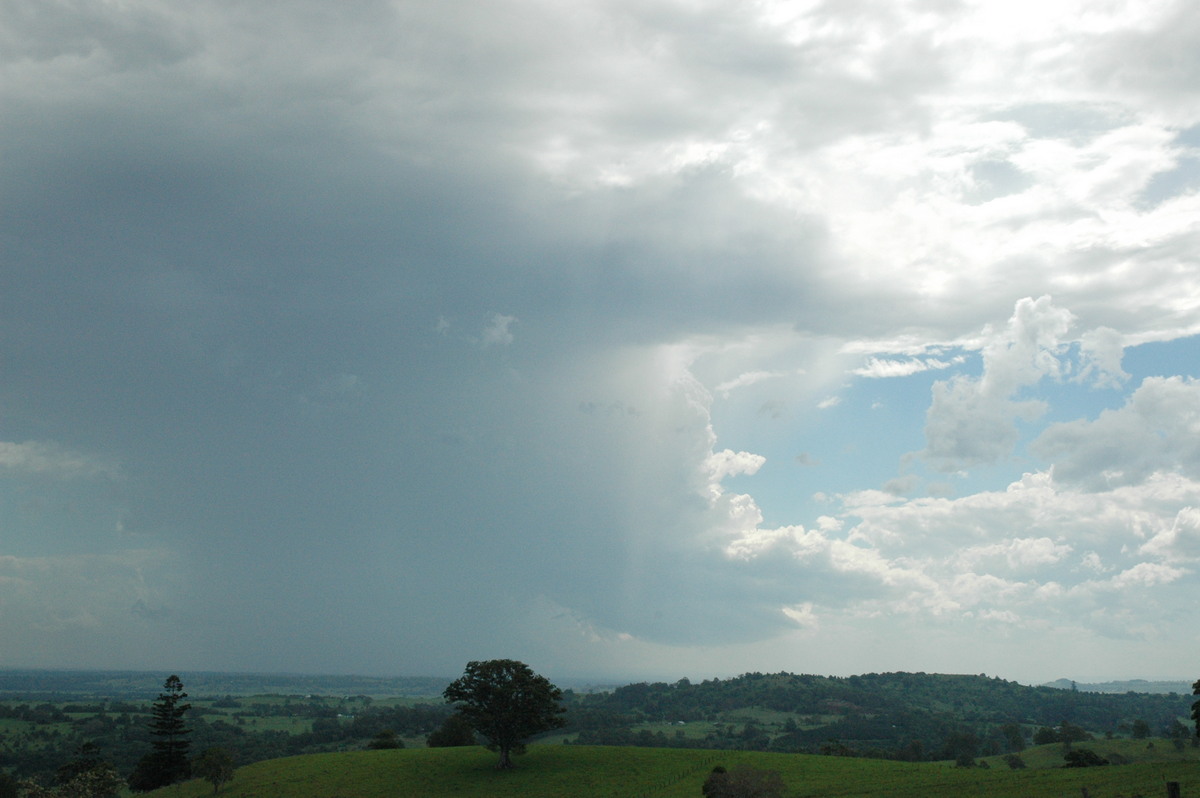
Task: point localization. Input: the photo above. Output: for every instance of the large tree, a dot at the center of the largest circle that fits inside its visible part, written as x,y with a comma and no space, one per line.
506,702
214,765
168,762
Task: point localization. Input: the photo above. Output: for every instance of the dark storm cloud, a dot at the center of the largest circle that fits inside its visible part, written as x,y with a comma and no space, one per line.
231,253
360,331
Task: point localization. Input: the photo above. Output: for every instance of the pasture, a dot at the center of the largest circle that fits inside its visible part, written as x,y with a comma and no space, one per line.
607,772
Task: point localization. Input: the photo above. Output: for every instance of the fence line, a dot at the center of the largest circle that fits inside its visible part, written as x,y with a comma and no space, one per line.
704,764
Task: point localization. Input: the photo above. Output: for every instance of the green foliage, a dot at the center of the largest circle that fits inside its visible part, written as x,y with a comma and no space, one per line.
962,747
385,740
1044,736
1070,733
167,725
715,782
507,703
455,731
1083,758
214,765
37,739
1177,733
1014,738
87,758
868,715
1066,733
99,782
904,716
168,762
85,776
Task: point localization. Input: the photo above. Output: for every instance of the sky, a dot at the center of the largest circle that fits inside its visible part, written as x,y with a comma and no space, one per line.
633,339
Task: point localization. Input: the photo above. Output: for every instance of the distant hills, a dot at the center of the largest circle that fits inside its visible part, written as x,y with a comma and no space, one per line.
142,684
1129,686
139,684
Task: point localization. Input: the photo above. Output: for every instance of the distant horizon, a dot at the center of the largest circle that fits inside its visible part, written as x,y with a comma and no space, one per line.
558,678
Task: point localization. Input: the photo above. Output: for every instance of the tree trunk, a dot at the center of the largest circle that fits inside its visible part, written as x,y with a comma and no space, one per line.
505,760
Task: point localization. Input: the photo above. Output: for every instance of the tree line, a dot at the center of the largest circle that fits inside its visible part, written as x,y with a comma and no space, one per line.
895,715
504,704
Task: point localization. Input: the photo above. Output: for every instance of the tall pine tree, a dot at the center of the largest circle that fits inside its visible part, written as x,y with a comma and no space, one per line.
168,762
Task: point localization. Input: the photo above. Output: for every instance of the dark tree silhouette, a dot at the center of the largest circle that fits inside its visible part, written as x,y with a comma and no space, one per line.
386,739
743,782
506,703
168,762
1196,706
87,758
454,731
1083,758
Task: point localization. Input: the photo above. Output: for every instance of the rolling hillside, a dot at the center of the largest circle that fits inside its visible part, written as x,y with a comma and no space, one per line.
603,772
910,715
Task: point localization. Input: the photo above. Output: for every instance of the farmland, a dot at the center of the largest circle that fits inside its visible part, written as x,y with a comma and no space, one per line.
607,772
822,733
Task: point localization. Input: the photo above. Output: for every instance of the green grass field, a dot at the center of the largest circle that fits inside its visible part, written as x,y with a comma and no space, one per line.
1119,751
602,772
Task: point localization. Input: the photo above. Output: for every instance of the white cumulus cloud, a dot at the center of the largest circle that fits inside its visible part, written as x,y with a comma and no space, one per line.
1158,430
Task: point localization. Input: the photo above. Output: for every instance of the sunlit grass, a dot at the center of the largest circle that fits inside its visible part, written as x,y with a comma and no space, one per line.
627,772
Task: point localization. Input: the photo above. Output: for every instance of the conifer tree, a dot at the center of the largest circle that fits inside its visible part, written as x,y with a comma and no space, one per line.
168,762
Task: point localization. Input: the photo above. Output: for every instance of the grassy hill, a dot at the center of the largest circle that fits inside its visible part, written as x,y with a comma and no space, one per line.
1118,751
620,772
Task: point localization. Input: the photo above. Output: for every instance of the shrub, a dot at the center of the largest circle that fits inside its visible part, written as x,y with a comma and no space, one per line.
1083,758
454,731
384,740
743,782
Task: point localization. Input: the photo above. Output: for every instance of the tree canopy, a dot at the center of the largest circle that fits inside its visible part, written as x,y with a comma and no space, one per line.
506,703
214,765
